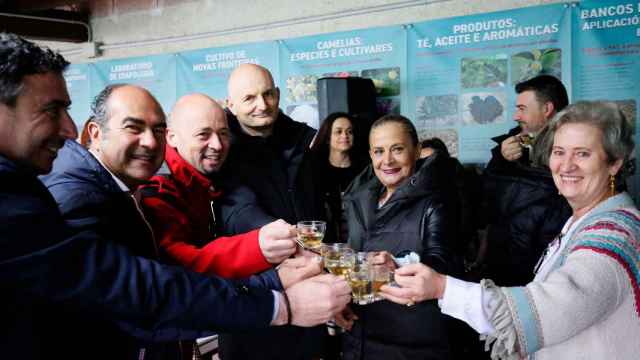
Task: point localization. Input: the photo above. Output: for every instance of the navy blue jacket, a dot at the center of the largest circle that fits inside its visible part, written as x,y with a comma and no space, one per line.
48,270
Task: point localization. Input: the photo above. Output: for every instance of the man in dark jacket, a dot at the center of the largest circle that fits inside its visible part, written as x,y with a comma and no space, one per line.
269,154
525,211
46,270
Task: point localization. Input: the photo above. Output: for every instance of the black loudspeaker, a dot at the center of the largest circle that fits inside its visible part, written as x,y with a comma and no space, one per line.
353,95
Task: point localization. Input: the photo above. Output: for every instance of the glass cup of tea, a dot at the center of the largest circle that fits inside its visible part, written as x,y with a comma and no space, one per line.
339,259
380,275
310,233
525,140
360,280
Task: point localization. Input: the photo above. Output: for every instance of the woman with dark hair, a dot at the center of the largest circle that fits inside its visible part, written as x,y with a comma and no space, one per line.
398,206
336,163
431,145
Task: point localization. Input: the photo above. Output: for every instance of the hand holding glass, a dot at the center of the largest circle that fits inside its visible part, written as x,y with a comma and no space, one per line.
310,233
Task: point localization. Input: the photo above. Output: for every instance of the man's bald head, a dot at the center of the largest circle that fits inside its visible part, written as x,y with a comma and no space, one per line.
254,99
245,73
198,130
193,105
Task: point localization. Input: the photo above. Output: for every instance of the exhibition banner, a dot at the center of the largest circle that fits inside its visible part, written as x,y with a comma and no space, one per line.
454,78
606,61
79,87
378,54
155,73
207,70
463,71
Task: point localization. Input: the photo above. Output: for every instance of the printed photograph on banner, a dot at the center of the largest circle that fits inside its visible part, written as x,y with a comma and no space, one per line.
528,64
342,74
388,105
480,108
302,88
437,111
448,136
490,71
386,80
306,113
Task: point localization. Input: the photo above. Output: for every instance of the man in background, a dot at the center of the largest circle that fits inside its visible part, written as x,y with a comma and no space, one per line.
525,211
269,155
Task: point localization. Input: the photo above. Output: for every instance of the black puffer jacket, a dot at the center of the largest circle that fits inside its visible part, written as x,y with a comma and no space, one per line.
278,170
415,218
525,212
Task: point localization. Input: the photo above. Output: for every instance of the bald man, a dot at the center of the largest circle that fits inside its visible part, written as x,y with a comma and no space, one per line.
268,150
183,207
269,155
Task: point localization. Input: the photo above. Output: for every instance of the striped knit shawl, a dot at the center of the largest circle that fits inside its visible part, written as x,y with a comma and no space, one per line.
613,230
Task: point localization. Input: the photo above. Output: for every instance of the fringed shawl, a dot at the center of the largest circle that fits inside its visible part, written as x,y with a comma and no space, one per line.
611,229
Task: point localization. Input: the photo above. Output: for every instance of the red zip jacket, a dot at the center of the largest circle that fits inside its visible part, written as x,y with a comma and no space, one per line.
179,207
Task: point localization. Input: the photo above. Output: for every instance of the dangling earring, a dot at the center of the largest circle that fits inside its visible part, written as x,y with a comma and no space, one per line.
612,184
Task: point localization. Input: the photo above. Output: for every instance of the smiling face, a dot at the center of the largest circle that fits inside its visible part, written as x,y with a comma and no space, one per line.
253,99
200,133
580,167
341,139
530,114
36,127
131,145
393,154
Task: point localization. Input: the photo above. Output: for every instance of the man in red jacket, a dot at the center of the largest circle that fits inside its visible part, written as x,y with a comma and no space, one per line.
183,207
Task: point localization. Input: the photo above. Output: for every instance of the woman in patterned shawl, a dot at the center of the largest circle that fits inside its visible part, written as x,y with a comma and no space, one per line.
584,302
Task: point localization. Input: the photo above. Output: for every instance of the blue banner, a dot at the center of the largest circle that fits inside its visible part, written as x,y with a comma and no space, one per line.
155,73
463,71
606,56
378,54
207,70
78,85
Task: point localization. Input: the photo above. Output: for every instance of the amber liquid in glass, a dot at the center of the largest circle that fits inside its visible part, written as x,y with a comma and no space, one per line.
311,240
377,284
359,289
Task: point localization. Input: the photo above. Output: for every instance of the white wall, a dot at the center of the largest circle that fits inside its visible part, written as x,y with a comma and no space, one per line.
211,23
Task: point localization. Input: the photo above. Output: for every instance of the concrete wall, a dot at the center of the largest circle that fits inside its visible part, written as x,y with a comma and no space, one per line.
163,26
